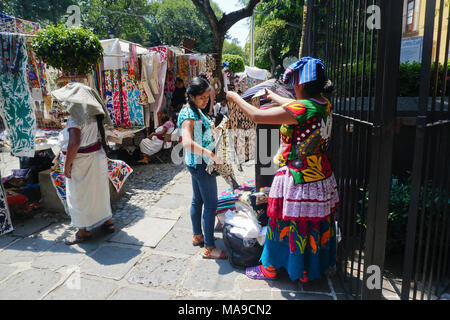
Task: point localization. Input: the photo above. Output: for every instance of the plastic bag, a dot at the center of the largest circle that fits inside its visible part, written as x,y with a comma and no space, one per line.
241,253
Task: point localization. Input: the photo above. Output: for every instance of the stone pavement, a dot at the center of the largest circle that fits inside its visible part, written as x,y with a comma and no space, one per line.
150,256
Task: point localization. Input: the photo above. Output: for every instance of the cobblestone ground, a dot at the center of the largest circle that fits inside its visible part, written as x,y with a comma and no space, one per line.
150,256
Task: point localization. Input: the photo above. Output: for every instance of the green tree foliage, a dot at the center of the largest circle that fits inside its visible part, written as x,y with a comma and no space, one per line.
236,63
42,11
125,19
233,48
71,50
273,43
278,29
145,22
172,21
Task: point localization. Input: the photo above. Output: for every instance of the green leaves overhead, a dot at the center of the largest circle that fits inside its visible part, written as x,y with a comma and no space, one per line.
236,63
74,50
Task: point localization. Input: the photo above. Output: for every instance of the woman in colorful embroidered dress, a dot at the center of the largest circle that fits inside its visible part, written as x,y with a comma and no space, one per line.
198,143
301,233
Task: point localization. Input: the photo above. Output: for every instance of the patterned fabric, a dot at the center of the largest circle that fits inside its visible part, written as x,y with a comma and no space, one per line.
303,146
27,27
305,248
225,170
135,108
302,71
118,172
193,67
202,134
59,182
7,23
5,218
169,86
244,134
15,103
125,121
288,200
162,52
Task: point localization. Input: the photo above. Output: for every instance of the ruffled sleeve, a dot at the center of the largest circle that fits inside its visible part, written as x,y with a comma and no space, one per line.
185,114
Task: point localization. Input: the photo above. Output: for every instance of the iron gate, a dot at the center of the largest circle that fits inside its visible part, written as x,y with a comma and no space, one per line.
426,267
363,62
362,56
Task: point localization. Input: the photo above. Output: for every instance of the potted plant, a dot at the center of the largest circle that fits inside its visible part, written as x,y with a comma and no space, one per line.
74,50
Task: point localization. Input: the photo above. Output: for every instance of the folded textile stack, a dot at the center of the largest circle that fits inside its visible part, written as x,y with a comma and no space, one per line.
227,199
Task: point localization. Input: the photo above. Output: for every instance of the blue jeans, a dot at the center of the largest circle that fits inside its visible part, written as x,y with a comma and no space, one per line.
205,193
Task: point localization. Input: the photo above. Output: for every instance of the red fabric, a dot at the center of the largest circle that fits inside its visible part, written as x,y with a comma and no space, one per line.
15,199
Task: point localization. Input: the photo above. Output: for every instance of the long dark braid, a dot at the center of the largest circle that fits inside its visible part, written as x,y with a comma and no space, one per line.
101,129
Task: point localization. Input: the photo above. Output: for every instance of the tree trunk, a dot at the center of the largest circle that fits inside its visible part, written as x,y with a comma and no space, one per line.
220,28
218,49
54,12
272,60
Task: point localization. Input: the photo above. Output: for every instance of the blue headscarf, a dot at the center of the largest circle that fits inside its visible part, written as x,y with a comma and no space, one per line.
302,71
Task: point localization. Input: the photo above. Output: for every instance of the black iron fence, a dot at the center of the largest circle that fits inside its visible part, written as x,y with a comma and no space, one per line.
426,266
360,42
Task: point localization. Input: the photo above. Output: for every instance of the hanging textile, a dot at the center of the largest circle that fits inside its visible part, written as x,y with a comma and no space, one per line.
5,217
161,78
27,27
193,67
109,93
125,121
225,170
7,23
118,172
183,69
162,53
15,97
244,134
135,108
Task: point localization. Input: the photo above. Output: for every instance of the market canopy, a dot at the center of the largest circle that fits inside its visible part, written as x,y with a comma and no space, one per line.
116,49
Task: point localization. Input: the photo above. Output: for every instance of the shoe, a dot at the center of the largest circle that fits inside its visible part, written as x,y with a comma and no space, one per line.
214,253
109,228
257,274
198,240
77,239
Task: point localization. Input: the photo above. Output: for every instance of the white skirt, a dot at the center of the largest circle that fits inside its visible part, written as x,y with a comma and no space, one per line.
150,147
314,200
88,198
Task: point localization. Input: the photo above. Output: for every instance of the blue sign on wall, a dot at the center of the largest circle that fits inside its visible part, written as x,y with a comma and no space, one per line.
411,49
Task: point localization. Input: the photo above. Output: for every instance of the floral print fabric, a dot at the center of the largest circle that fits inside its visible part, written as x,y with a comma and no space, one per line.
303,146
15,100
305,248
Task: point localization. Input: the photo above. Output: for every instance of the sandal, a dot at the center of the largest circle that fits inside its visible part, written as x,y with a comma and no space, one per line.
198,240
214,253
109,228
258,274
77,239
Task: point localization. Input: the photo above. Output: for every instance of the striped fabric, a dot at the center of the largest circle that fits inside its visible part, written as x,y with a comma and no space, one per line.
302,71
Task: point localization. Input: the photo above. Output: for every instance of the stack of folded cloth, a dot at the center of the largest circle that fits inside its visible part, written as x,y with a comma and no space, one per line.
227,199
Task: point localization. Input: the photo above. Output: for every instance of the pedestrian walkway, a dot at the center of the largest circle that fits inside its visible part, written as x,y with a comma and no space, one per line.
150,256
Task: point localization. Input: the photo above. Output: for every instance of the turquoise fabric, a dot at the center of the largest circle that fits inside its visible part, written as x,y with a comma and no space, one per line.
16,106
203,137
303,248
